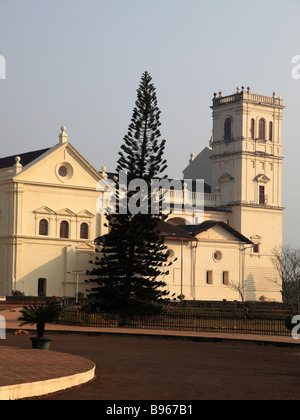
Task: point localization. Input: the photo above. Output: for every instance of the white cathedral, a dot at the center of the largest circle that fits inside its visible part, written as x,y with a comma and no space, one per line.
49,219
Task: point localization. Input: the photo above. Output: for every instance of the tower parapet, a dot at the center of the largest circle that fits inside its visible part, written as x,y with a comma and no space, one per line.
243,95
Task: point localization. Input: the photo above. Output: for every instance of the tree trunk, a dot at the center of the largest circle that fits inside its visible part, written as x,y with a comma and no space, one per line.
40,330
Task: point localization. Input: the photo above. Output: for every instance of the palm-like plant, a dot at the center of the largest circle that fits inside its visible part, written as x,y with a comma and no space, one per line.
40,315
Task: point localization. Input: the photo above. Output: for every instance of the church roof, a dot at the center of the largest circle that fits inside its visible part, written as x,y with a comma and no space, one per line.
203,227
169,231
189,232
26,158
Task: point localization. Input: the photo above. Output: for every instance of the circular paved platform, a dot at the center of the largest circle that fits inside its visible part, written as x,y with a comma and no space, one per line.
31,373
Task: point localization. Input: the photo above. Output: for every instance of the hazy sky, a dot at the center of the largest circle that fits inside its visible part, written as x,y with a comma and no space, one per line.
79,62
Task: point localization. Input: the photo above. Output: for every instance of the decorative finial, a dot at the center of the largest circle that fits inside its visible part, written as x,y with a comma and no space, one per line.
192,157
63,137
104,174
17,167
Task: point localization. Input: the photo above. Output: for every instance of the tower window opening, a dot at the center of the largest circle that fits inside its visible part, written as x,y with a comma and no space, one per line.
262,129
271,131
228,129
252,130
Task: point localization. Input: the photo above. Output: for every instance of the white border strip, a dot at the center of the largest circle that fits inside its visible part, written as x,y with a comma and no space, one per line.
35,389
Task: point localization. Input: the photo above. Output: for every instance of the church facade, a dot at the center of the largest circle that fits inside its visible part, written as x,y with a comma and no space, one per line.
48,220
49,216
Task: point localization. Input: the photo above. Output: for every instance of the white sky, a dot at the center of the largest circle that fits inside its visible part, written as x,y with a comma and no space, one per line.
78,63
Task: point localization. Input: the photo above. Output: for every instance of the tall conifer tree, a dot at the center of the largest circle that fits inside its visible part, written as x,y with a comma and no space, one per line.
133,254
141,155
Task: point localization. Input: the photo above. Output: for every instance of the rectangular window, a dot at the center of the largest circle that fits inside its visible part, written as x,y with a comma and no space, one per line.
226,278
262,197
209,277
42,283
256,248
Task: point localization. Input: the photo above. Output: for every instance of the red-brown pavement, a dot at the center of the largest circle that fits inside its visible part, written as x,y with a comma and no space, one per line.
139,365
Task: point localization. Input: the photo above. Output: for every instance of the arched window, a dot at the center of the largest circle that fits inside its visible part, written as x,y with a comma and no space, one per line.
64,230
262,129
252,129
84,231
227,129
271,131
43,227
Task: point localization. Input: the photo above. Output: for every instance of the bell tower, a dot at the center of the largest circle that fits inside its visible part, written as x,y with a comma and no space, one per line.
247,148
246,171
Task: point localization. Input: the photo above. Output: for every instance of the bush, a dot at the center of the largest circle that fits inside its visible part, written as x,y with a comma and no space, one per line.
288,323
17,293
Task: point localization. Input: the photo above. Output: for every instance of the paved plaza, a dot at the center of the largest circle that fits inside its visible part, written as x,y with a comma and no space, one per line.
133,366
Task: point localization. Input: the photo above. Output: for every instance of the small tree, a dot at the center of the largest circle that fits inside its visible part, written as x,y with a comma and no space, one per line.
133,254
40,316
240,289
286,260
